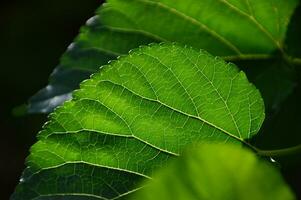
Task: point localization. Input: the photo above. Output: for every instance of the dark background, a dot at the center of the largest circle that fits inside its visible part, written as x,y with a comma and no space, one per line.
33,36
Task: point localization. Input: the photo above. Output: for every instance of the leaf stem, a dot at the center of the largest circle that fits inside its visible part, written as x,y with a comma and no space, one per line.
279,152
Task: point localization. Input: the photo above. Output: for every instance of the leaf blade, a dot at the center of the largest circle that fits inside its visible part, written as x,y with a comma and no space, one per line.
121,26
135,115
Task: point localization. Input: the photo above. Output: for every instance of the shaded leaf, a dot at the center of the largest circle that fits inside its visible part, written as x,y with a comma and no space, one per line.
217,172
135,115
236,30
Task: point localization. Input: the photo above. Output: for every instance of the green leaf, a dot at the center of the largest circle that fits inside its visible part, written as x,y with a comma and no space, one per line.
133,116
217,172
236,30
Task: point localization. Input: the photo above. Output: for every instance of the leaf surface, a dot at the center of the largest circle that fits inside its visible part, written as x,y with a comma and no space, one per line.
235,30
217,172
133,116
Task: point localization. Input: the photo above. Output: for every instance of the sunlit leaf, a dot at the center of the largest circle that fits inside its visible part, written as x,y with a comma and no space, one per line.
133,116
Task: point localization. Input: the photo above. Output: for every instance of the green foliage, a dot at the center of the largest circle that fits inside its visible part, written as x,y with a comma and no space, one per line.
139,112
235,30
220,172
133,116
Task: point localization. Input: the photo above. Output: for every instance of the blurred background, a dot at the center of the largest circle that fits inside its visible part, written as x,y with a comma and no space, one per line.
33,36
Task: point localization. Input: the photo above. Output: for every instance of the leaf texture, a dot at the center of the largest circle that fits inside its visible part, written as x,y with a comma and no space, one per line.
233,29
135,115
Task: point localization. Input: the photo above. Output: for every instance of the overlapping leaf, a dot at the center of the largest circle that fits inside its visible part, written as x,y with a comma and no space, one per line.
208,172
135,115
240,29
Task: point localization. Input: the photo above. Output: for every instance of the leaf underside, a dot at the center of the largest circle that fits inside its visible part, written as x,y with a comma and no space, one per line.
235,30
135,115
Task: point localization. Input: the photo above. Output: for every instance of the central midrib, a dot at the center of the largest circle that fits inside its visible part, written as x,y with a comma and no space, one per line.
167,106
